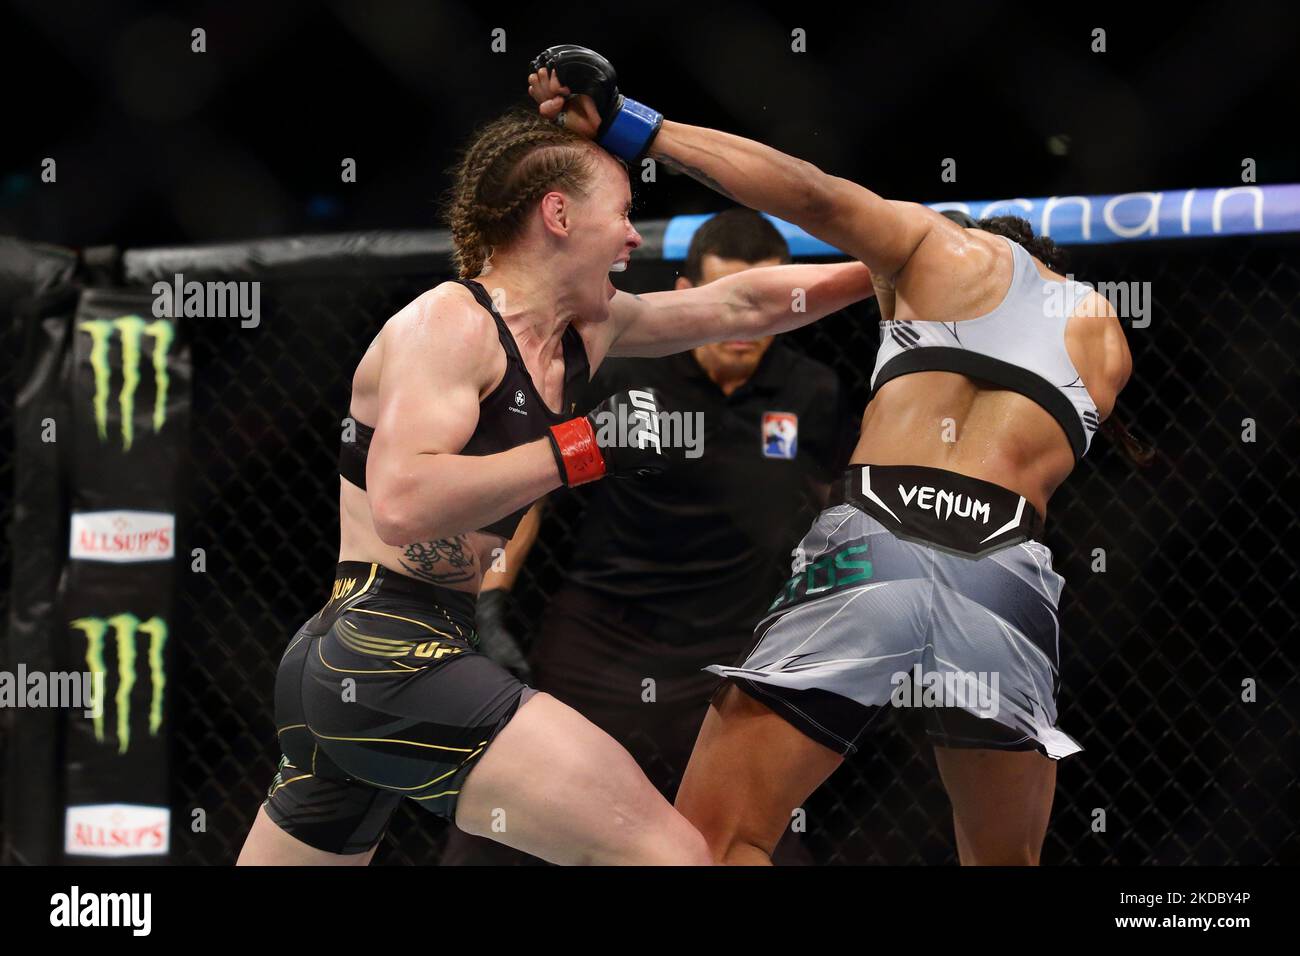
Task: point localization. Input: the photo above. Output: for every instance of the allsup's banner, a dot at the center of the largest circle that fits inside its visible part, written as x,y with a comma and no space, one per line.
128,397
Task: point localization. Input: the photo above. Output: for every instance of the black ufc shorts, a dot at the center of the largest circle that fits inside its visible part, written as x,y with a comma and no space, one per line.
382,695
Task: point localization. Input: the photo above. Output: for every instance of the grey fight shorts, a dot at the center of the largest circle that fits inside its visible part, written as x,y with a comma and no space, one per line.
916,587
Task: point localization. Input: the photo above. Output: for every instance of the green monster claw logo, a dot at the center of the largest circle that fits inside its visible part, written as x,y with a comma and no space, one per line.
132,330
125,628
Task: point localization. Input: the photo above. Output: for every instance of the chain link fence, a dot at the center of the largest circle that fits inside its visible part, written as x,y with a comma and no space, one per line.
1190,613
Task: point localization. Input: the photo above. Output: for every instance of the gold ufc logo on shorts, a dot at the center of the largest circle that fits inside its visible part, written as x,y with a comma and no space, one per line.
126,631
351,637
435,649
131,331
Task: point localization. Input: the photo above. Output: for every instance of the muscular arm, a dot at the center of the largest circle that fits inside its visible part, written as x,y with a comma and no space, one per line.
1097,346
853,219
746,305
419,488
878,232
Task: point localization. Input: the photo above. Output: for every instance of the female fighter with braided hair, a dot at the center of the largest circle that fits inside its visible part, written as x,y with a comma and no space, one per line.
464,417
927,569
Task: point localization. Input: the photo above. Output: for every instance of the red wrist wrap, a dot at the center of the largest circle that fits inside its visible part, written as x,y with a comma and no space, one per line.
576,451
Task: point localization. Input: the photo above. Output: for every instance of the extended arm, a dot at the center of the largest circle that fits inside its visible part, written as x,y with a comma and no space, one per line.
880,233
745,305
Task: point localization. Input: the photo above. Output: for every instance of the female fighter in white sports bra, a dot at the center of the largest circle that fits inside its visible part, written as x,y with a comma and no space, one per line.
925,581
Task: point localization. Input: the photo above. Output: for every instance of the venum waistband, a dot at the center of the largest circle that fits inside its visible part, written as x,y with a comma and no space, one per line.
354,580
939,508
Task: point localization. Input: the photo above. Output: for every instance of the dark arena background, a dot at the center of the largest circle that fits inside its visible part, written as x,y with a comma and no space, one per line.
132,157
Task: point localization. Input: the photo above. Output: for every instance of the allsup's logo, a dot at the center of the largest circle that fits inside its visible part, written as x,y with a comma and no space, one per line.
116,829
122,536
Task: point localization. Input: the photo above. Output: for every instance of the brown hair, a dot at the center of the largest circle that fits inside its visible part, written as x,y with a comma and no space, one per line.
509,164
1019,230
1136,452
738,233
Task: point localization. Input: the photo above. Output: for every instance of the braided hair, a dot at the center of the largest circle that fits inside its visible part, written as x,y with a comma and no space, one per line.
509,164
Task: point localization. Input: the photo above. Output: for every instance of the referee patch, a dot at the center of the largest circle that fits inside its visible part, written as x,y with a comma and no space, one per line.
780,434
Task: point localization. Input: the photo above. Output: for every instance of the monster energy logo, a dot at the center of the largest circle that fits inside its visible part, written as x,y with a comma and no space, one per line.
132,329
126,628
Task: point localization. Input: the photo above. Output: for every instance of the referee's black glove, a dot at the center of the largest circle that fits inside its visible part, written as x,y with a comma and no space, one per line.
494,637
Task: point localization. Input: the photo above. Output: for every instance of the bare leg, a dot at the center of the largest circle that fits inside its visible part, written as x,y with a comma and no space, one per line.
268,845
555,785
1001,802
750,769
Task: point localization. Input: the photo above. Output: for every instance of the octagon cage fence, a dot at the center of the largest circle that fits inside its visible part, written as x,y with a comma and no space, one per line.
1160,650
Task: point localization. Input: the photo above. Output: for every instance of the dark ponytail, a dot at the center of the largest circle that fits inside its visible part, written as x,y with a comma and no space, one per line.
1136,452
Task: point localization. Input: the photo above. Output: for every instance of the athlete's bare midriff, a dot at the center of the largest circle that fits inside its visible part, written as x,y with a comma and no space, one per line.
949,421
458,562
945,420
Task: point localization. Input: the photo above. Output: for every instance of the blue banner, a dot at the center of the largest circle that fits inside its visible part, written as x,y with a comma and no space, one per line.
1073,220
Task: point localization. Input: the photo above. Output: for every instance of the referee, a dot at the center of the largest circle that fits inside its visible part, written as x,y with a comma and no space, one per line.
671,573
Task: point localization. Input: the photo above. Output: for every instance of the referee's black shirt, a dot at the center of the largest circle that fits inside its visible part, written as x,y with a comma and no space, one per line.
708,542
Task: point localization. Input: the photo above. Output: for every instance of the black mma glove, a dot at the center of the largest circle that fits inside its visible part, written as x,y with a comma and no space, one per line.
626,126
621,436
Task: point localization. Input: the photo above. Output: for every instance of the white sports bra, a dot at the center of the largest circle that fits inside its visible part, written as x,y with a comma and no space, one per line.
1020,346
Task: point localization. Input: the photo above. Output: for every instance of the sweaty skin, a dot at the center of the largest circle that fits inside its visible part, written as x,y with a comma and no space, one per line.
447,325
456,561
421,381
750,767
926,268
946,420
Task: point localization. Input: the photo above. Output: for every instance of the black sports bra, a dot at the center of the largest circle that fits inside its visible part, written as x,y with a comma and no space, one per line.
513,414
